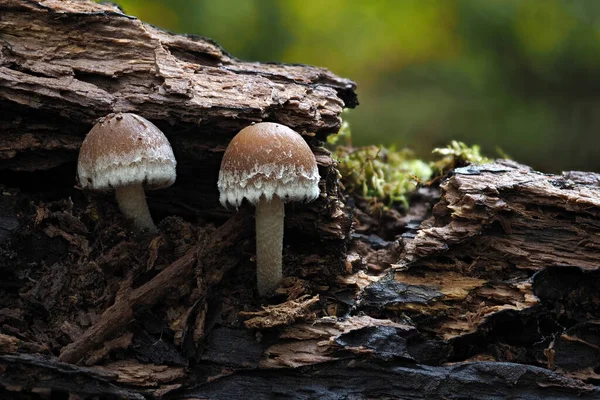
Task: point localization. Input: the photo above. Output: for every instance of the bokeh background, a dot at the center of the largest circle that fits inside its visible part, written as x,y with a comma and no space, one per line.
522,76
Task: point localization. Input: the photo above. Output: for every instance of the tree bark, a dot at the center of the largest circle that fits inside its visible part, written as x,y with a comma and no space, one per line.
486,287
64,64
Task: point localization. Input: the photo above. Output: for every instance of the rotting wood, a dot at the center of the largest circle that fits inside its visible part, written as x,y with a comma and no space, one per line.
63,64
360,379
467,276
188,85
501,280
116,317
43,375
281,314
425,315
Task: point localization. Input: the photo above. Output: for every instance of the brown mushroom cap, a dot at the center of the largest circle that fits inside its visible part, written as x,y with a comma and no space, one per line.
125,149
268,159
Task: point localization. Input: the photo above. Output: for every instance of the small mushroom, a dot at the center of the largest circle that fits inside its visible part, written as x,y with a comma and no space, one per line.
127,153
268,164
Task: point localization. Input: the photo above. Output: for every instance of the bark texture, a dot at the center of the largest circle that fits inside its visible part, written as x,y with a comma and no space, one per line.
485,288
64,64
76,61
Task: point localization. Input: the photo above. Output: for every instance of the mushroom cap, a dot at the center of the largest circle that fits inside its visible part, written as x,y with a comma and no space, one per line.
124,149
268,159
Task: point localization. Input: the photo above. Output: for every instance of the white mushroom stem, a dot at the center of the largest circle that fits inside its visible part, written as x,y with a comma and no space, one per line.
132,202
269,243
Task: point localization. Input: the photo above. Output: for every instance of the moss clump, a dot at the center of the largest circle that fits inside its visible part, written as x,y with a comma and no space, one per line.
343,135
454,155
384,176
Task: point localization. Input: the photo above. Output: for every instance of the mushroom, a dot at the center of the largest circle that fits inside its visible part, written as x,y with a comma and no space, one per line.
128,153
268,164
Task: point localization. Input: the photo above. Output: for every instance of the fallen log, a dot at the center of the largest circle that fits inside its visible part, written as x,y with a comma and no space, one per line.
485,287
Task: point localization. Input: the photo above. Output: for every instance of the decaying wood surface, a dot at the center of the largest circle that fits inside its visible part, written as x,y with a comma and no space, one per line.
64,64
76,61
509,254
456,307
409,317
485,288
115,318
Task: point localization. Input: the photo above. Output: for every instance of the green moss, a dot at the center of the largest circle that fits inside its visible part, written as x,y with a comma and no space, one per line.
343,134
454,155
381,175
384,175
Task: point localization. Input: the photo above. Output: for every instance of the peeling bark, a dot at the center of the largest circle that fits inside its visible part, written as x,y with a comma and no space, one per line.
486,287
64,64
504,268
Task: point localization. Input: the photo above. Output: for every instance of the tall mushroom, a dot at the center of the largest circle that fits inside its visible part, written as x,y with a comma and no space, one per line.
268,164
127,153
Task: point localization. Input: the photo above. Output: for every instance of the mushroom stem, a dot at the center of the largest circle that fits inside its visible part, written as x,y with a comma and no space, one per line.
132,202
269,243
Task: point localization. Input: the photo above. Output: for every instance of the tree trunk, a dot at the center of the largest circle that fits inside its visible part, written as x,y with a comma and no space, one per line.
486,288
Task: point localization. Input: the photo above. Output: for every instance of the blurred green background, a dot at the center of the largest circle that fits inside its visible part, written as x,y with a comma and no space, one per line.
519,75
